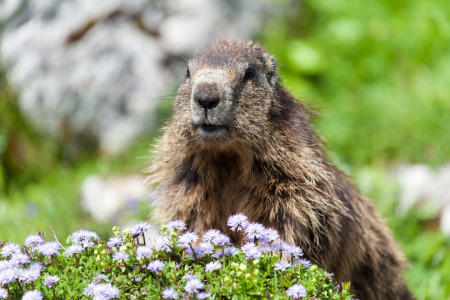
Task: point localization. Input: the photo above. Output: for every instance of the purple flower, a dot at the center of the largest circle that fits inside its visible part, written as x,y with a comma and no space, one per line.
163,243
101,278
8,275
101,291
51,280
229,251
201,250
10,249
220,240
140,229
169,293
36,266
189,277
187,238
206,248
29,275
175,225
72,249
34,240
211,266
143,252
237,222
210,235
193,285
190,254
138,279
88,290
251,251
270,236
304,262
5,264
291,250
156,266
120,256
19,259
296,291
115,241
282,265
265,248
84,237
218,253
104,291
255,231
3,293
203,295
32,295
277,246
48,249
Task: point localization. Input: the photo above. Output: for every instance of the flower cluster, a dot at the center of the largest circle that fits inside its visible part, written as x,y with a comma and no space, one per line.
139,229
180,264
101,291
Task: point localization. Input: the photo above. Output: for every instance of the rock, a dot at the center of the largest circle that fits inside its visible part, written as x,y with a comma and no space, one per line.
106,199
93,73
416,183
445,220
420,183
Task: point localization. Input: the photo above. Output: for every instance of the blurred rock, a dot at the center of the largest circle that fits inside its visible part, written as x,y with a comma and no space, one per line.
416,184
420,183
92,72
107,199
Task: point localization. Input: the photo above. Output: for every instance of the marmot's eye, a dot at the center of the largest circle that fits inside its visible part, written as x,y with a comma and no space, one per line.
188,74
249,73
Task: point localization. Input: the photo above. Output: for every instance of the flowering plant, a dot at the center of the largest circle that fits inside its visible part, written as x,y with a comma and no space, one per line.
178,266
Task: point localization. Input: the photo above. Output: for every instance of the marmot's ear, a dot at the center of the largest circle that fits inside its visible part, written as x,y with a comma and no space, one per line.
271,64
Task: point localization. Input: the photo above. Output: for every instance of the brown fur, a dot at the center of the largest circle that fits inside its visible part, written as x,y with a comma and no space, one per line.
268,164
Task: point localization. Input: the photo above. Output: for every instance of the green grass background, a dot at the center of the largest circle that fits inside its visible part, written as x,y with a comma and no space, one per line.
378,71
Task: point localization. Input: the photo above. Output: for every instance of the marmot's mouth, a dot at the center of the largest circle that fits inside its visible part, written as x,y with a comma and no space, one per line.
211,130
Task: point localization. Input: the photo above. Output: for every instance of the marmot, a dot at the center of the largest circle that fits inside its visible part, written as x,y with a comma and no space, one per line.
239,142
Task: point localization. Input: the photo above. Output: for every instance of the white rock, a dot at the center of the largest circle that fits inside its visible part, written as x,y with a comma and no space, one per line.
419,183
8,8
106,198
415,182
444,221
106,82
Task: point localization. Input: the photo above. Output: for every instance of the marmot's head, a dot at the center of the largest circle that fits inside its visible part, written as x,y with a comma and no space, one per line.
227,95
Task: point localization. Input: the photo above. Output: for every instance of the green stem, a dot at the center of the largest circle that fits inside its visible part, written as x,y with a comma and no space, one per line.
193,252
20,286
9,292
223,257
157,282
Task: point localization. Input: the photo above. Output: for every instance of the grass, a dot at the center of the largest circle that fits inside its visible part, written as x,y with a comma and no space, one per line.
423,244
383,93
53,200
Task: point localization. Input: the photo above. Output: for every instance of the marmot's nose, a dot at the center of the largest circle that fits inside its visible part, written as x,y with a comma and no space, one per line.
207,95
